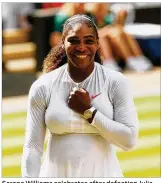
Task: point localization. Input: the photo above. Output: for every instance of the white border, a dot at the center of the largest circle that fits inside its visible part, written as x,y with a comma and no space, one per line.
149,180
1,96
85,1
81,180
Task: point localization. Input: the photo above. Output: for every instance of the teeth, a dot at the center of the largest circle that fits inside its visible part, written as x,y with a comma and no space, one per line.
81,56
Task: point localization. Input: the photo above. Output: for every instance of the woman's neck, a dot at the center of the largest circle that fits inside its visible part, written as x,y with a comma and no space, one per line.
78,74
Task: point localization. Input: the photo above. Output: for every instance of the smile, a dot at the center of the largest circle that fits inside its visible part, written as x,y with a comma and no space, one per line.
81,56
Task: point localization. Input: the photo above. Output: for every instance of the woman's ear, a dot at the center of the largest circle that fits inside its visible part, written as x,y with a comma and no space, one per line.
98,45
62,39
62,42
62,46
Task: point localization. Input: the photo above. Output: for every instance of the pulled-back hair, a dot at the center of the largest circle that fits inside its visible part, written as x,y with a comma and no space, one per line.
57,55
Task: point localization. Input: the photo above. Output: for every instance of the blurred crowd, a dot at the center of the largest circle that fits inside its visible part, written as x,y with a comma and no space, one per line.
120,50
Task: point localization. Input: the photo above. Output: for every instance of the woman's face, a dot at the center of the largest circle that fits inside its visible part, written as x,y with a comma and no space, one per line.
81,45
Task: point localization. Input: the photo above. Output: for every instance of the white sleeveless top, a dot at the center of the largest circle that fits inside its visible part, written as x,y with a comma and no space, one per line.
75,147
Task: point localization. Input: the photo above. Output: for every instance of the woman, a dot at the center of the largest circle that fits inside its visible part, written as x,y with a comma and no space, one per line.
87,108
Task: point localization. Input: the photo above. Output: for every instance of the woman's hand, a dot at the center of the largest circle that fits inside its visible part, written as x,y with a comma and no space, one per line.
79,100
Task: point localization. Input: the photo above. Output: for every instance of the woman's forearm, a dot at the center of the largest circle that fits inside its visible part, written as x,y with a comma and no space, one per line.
123,135
31,162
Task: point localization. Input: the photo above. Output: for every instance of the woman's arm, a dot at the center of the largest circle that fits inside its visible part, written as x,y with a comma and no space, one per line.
123,129
35,132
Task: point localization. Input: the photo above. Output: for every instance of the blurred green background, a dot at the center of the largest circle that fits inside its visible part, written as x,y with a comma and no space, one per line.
143,161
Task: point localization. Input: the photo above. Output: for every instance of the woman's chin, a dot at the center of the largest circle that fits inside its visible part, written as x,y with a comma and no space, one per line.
83,64
80,63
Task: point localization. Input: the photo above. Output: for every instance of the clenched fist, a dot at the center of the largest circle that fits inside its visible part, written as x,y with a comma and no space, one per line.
79,100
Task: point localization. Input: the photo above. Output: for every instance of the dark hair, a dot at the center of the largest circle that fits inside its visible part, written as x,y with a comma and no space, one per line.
57,55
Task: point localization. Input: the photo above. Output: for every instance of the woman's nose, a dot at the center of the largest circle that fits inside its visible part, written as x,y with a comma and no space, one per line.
81,47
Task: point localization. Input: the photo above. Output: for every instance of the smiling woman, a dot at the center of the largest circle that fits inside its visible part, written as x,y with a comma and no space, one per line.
87,108
80,37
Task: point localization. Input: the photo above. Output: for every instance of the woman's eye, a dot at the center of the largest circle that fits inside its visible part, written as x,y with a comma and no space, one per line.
89,41
74,41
